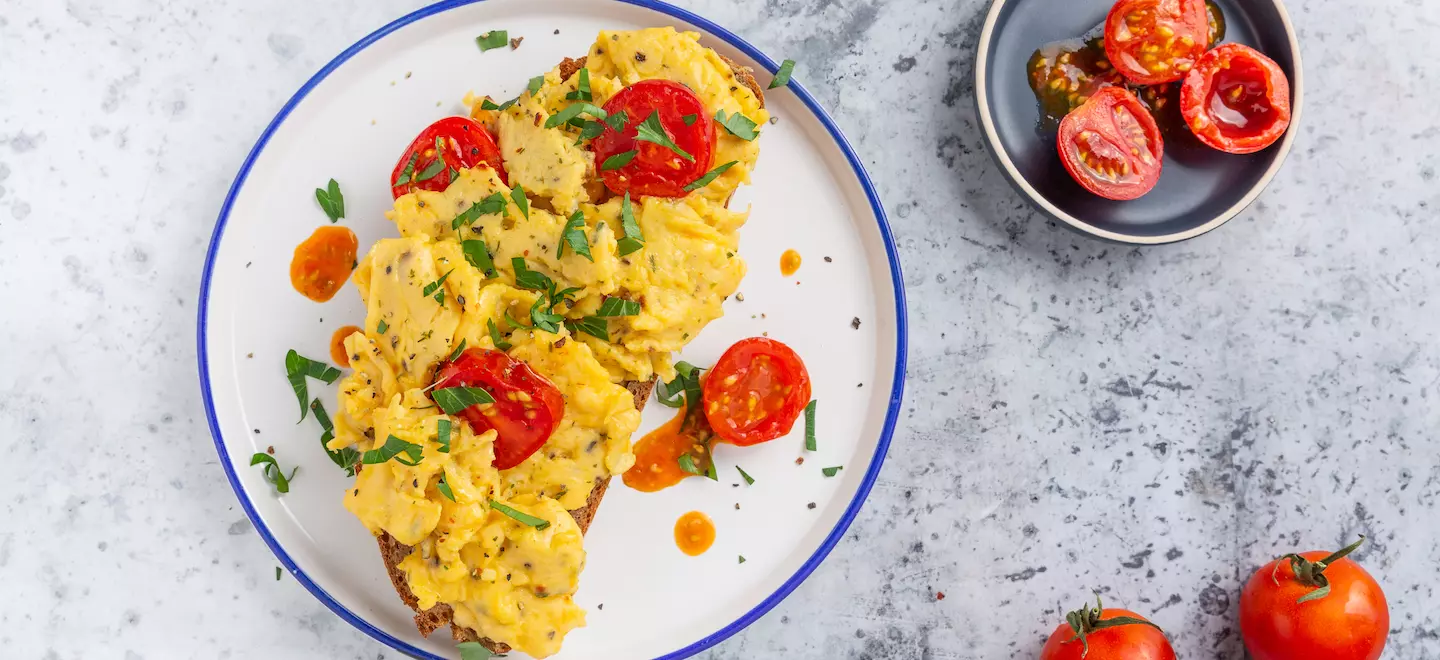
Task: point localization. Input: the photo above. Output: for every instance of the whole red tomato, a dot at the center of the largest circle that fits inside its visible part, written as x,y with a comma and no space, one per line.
1314,605
1106,634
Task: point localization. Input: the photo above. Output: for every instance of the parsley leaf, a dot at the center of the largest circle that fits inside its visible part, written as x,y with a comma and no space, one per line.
517,195
709,176
651,130
582,88
574,110
535,83
738,125
487,104
492,205
782,77
331,201
543,318
495,336
831,471
473,651
749,480
452,400
393,448
444,489
492,40
632,240
618,120
431,171
272,472
478,256
687,463
431,287
529,279
618,307
442,435
619,160
408,170
690,119
347,457
382,327
687,381
810,426
523,518
574,236
298,368
458,350
590,325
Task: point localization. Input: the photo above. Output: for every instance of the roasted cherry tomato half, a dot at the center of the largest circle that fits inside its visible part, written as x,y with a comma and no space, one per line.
443,149
527,407
755,391
1112,146
1156,41
655,169
1106,634
1350,622
1236,100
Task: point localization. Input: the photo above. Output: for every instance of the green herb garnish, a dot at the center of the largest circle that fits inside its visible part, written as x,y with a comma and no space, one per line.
455,355
544,317
690,119
742,559
444,489
687,463
495,338
434,286
331,201
582,87
749,480
431,171
709,176
272,472
619,160
574,236
590,325
346,457
478,256
394,448
618,307
382,327
782,77
529,279
492,205
831,471
632,240
452,400
487,104
575,110
493,39
523,518
442,435
651,130
474,651
535,83
517,195
738,125
810,426
618,120
408,170
298,368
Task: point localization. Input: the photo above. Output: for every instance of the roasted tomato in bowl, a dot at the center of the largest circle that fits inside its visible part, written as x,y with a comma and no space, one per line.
1156,41
1112,146
1236,100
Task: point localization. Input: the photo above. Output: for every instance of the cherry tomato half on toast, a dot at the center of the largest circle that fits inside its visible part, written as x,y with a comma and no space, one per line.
755,391
650,168
1350,622
1112,146
527,407
1156,41
1236,100
1106,634
443,148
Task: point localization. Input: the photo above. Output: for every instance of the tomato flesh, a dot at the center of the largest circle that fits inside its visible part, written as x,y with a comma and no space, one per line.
1129,642
1156,41
527,407
1112,146
432,161
755,391
1351,623
656,170
1236,100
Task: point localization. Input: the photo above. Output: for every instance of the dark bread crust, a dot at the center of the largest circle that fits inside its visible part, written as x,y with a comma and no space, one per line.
427,621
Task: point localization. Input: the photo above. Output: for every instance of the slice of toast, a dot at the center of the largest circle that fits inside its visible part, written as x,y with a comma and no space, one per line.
427,621
393,551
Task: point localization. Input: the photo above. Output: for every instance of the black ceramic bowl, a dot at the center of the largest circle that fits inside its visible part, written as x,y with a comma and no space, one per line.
1199,189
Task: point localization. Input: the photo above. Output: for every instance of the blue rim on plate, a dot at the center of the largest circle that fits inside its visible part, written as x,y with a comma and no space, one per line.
896,387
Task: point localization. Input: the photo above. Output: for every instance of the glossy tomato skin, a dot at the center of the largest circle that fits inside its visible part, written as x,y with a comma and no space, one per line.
656,170
527,406
1132,642
1112,146
466,143
1156,41
769,370
1351,623
1236,100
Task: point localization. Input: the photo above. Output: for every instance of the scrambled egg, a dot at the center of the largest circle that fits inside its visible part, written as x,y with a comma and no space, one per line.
508,580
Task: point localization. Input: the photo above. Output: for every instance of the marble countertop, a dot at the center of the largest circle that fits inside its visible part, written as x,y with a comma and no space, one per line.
1148,423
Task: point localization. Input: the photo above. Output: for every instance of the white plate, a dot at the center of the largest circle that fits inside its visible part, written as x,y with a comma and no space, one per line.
809,193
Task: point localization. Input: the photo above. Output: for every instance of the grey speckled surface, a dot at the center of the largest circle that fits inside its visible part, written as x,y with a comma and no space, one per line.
1149,423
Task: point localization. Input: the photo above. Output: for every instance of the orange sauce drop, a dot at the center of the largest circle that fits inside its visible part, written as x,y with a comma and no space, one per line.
789,263
694,533
657,457
337,345
323,262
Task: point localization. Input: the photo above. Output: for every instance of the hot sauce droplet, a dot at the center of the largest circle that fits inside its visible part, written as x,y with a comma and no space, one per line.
789,263
694,533
323,262
337,345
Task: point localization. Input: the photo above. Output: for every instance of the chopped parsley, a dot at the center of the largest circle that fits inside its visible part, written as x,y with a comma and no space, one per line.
575,110
632,240
434,287
831,471
452,400
272,472
782,77
478,256
582,88
298,368
394,448
749,480
495,338
523,518
331,201
618,307
529,279
432,170
535,83
492,40
687,380
346,457
652,131
742,558
709,176
690,119
444,489
810,426
619,160
574,236
738,125
455,355
517,195
492,205
474,651
442,435
590,325
543,316
618,120
687,463
382,327
408,170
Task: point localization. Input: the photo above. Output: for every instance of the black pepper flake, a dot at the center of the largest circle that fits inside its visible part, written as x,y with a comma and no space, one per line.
601,606
855,323
828,260
357,492
415,483
810,505
422,203
507,577
257,430
387,270
461,300
639,57
737,506
557,32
